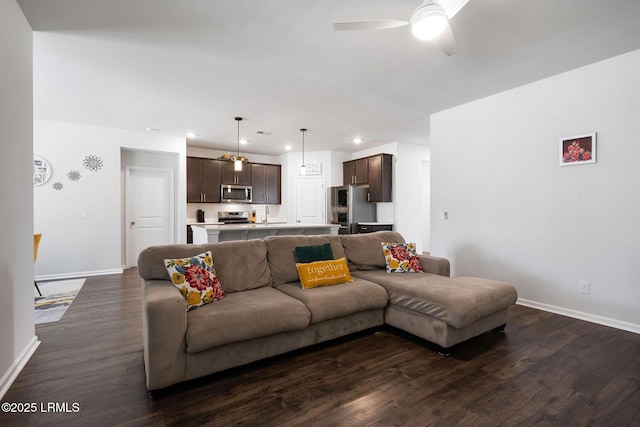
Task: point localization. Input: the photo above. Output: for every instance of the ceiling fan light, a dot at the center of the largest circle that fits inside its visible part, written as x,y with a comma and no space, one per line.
428,21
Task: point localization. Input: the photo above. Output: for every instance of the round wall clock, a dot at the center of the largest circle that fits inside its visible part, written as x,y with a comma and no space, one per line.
41,171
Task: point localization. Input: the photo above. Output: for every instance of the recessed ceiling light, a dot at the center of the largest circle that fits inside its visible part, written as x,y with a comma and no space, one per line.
191,135
288,147
149,129
243,141
357,140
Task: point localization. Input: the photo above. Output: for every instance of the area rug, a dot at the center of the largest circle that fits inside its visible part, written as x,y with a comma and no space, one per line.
56,298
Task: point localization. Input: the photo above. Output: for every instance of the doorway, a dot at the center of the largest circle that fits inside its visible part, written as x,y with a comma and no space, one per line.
149,210
311,204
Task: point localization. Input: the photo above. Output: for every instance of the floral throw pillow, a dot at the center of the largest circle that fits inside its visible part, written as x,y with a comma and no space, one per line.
196,279
401,258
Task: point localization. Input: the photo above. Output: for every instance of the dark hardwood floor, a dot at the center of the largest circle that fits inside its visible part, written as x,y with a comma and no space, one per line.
545,370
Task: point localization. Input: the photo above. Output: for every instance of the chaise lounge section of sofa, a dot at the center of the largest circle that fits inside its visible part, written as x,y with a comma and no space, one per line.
266,311
431,305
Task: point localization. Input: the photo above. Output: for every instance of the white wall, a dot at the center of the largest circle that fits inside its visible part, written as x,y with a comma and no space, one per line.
409,211
17,331
72,246
516,215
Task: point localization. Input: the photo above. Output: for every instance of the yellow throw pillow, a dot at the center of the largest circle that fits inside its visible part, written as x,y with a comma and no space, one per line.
323,273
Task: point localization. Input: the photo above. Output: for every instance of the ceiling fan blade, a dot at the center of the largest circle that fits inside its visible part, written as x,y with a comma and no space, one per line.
380,24
446,42
451,7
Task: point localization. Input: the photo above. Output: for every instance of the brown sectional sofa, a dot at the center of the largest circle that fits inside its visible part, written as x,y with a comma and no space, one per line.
266,312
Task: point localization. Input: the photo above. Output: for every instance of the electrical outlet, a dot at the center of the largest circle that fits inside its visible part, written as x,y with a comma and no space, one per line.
585,288
84,214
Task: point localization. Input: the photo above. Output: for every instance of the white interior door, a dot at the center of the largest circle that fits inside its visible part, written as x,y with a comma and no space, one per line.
311,205
149,210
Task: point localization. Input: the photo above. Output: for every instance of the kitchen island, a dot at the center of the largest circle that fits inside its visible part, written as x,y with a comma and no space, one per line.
226,232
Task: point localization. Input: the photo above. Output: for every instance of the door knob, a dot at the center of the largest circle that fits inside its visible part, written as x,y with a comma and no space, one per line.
133,223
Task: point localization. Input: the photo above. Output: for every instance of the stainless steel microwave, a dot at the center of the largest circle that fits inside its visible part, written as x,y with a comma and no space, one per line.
235,193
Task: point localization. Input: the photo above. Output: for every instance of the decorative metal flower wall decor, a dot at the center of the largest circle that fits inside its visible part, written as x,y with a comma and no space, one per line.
92,162
58,186
74,176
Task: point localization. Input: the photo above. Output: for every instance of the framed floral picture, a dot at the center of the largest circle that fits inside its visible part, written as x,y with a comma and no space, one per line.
578,149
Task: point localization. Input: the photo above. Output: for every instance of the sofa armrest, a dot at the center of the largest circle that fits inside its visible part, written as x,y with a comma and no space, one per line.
164,327
435,265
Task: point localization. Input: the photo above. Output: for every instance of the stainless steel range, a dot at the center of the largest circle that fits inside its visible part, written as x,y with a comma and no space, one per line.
234,217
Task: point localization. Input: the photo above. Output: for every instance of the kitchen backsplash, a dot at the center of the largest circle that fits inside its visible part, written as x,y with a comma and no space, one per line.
211,211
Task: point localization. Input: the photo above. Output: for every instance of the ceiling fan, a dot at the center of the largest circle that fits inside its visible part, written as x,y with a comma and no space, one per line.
430,21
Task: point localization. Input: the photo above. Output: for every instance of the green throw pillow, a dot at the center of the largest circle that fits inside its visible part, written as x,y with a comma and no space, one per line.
314,253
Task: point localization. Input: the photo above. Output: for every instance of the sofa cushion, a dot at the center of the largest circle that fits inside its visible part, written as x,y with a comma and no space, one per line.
364,252
458,301
401,258
242,316
240,264
313,253
330,302
281,254
196,279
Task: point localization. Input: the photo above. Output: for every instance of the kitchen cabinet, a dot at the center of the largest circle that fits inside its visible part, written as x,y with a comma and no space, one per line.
355,172
380,178
267,183
229,176
374,171
203,180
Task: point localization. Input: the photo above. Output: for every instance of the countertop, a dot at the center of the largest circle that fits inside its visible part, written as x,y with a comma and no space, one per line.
202,224
375,223
269,226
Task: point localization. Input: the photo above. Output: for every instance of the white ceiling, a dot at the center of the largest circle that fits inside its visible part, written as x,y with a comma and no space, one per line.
192,65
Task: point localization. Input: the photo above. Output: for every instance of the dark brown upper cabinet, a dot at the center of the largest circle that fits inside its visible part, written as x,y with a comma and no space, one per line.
356,172
374,171
203,180
266,181
380,178
229,176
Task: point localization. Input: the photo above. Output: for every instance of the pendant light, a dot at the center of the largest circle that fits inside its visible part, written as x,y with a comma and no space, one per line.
237,164
303,168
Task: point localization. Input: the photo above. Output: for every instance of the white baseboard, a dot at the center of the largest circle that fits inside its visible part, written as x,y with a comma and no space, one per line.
61,276
16,367
618,324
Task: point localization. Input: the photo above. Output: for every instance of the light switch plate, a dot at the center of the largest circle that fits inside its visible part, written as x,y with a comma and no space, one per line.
441,215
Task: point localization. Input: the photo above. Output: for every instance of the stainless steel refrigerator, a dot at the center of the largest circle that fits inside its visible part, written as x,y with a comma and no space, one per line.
348,205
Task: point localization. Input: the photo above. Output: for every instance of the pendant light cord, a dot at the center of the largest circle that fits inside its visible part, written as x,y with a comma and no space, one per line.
238,120
303,131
